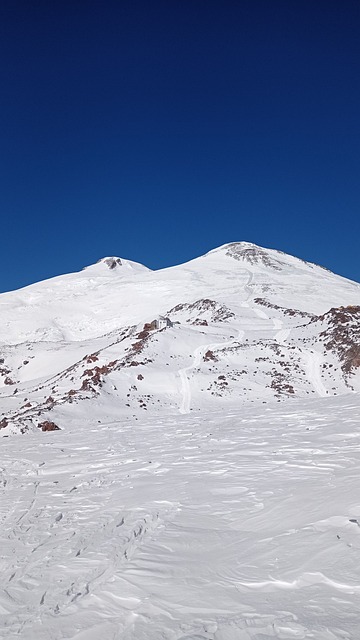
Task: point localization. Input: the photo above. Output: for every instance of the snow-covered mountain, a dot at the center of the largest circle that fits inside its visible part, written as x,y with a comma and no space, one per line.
190,469
239,325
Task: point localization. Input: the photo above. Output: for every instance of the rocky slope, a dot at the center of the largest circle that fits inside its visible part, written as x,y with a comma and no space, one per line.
240,325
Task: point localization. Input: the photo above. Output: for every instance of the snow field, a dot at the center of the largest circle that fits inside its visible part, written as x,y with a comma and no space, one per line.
214,526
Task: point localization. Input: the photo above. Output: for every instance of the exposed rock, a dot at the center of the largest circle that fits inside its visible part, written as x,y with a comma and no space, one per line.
112,263
209,355
214,311
91,358
143,334
284,310
138,346
149,326
342,335
253,255
48,426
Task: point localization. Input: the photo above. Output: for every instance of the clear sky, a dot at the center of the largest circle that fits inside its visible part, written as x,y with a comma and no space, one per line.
158,130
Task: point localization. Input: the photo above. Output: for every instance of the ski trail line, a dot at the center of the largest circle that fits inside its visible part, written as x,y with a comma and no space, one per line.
281,334
198,356
185,382
312,360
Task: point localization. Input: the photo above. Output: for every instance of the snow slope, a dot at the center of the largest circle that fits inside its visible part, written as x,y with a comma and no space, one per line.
99,299
218,526
202,475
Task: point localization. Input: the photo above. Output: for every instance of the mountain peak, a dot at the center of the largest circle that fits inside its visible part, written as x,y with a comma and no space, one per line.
117,265
251,253
111,262
254,255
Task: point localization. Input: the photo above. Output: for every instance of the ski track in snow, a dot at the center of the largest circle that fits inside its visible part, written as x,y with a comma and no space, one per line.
281,334
312,362
198,355
192,527
185,382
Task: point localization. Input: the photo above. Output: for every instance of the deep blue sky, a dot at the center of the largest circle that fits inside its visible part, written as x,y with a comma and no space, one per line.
158,130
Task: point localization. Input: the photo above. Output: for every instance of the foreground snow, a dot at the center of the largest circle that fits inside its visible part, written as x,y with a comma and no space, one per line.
223,526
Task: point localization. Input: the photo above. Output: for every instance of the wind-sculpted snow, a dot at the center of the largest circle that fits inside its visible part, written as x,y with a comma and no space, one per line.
218,526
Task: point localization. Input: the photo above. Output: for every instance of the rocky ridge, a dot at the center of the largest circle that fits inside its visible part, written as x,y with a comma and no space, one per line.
243,344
